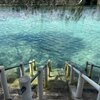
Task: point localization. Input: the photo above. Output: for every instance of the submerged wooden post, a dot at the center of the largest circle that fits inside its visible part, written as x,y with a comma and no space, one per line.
25,85
80,85
31,68
4,83
46,76
40,83
34,64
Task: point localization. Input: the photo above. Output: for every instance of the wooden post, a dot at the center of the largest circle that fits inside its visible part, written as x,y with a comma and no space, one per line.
4,83
80,86
98,97
71,75
31,68
34,65
25,83
46,76
40,84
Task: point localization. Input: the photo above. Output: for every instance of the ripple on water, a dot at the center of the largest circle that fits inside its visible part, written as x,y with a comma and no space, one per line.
59,35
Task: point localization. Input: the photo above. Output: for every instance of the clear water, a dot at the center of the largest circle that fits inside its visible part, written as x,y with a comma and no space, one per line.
59,34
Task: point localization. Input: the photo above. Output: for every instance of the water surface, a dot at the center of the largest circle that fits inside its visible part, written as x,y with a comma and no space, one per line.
56,33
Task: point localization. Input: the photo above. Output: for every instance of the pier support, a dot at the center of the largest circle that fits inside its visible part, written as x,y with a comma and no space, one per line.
4,83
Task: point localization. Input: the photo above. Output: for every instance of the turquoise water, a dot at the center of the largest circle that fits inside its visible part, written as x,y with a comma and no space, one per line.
59,34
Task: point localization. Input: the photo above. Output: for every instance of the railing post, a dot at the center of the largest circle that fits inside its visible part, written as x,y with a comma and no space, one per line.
49,66
86,68
91,70
34,65
67,71
25,83
40,83
98,97
46,76
71,75
4,83
31,68
80,86
21,69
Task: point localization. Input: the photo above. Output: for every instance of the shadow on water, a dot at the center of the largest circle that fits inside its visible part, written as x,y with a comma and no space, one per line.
42,46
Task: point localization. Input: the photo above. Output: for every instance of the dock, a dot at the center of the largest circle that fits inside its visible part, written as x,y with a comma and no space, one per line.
47,83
